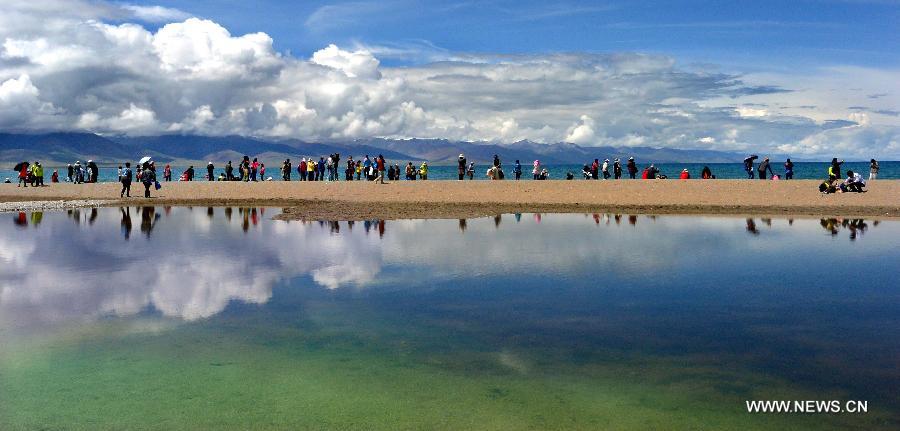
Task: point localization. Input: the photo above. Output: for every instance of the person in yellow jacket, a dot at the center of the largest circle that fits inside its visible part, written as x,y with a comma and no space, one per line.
423,171
37,174
311,169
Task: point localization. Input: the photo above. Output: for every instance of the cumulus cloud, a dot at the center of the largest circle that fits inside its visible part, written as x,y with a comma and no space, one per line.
81,65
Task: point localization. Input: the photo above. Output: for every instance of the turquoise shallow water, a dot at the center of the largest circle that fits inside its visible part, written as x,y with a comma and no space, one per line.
220,318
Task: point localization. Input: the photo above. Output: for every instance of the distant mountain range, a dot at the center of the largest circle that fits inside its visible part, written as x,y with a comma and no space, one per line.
61,148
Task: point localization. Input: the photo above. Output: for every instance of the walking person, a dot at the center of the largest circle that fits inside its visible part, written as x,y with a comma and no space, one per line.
125,178
595,169
632,167
748,165
873,169
763,167
148,178
23,174
606,169
788,170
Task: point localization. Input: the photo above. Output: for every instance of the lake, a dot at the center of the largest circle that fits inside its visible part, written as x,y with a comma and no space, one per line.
221,318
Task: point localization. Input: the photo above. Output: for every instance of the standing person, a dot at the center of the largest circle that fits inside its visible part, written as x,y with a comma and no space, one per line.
606,169
311,170
301,169
70,173
337,164
94,171
320,166
632,167
190,173
262,171
410,171
423,170
55,177
835,168
873,169
358,169
788,170
379,165
536,170
119,174
470,171
351,166
229,172
763,167
517,170
461,167
617,169
148,178
366,164
210,172
79,173
748,165
329,163
595,169
125,178
254,169
286,170
497,161
37,175
23,174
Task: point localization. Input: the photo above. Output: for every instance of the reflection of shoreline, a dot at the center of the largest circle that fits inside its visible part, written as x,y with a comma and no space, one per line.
190,263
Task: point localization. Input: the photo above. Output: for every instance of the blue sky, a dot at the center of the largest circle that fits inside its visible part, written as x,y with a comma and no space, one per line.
810,78
757,34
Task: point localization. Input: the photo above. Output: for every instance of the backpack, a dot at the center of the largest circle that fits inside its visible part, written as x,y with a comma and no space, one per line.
126,174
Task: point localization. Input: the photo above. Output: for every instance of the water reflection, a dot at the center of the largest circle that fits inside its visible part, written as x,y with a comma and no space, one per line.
82,269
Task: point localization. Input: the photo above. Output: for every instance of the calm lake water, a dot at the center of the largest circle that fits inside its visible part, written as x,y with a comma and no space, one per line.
220,318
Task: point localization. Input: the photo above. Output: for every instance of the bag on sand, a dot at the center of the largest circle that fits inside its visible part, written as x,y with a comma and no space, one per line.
157,185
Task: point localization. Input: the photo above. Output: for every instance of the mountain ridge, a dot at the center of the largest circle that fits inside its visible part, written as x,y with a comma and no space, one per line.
66,147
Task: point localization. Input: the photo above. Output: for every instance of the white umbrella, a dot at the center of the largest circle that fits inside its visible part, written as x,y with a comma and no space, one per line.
144,159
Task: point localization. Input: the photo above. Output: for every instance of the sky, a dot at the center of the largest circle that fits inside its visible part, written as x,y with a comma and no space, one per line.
807,78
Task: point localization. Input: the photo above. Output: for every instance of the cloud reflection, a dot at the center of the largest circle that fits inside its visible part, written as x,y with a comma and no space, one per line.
191,263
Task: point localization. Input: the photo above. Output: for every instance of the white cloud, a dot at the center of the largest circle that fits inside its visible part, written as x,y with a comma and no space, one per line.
156,13
354,64
582,132
87,70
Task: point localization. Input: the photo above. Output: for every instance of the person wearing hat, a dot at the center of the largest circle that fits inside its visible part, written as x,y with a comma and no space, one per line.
632,167
461,170
605,169
210,171
617,169
685,175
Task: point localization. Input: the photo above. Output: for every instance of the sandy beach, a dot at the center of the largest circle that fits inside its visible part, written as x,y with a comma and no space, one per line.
452,199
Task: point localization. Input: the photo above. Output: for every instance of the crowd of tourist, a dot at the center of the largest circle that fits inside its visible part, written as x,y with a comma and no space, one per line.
377,169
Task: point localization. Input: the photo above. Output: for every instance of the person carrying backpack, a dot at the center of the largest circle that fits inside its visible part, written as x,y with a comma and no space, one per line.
125,178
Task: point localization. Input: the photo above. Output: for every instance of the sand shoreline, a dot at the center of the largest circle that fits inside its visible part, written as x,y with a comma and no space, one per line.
452,199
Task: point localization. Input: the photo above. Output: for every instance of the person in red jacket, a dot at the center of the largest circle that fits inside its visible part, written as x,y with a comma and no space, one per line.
685,175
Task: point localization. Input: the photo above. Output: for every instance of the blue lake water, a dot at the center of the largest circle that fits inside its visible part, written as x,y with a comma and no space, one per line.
221,318
802,170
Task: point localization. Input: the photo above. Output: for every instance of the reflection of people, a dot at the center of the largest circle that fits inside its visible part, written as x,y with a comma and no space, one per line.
751,227
463,224
126,221
148,219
